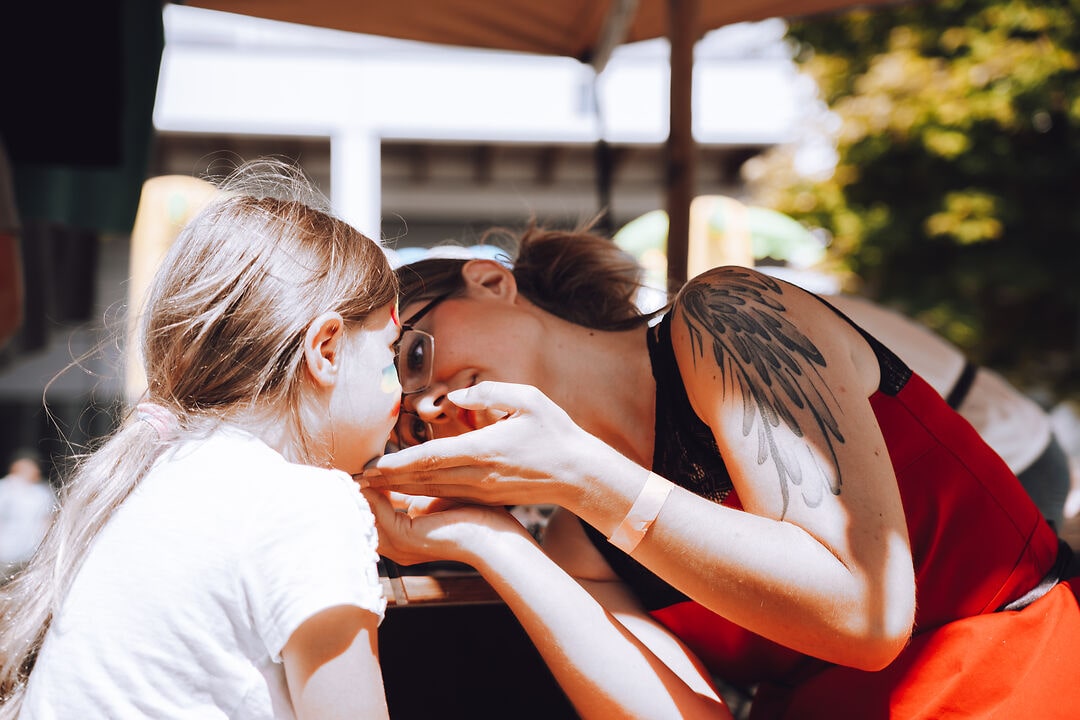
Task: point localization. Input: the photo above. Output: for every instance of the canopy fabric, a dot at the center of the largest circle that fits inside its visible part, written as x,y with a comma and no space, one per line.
552,27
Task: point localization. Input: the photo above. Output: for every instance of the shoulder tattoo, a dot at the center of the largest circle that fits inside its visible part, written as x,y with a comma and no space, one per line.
739,317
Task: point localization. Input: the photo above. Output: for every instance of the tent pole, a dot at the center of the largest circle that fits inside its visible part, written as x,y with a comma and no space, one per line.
613,32
683,23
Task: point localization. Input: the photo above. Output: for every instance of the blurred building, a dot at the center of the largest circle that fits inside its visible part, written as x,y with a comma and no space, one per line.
421,143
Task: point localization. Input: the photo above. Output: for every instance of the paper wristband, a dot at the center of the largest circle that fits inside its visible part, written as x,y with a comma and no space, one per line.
642,514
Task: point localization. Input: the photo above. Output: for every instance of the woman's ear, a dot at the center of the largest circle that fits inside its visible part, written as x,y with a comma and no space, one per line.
322,342
491,277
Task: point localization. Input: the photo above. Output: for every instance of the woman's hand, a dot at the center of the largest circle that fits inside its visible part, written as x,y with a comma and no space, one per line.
432,529
572,631
535,455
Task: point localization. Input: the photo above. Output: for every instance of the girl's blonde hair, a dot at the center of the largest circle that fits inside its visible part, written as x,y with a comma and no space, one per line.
221,337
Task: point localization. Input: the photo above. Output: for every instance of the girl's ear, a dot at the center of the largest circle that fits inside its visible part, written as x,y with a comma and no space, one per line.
322,342
490,277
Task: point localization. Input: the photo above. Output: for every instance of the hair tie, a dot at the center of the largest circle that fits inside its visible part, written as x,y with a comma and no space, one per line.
160,418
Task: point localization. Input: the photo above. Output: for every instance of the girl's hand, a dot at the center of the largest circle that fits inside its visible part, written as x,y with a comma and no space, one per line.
535,455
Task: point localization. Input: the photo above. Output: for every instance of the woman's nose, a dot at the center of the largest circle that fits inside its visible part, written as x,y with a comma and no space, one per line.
428,405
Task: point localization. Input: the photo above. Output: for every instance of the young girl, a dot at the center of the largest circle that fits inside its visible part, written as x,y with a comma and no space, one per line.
213,558
766,494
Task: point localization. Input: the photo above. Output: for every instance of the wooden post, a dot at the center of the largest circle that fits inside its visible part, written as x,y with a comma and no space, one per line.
683,24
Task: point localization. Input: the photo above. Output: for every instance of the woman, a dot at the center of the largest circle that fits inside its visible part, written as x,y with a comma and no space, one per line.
755,474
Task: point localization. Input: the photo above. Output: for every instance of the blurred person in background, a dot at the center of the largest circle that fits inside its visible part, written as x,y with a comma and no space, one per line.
27,503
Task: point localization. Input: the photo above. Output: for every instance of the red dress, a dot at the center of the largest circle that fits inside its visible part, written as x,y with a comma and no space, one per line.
978,543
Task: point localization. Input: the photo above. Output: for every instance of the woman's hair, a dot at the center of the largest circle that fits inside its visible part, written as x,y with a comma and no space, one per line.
222,338
576,275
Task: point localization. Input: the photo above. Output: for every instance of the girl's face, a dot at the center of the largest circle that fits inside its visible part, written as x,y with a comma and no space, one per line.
367,397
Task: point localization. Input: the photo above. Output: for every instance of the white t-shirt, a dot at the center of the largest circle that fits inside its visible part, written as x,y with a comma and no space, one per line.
193,588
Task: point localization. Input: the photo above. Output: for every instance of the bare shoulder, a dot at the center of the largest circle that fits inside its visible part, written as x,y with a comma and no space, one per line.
740,315
934,358
767,362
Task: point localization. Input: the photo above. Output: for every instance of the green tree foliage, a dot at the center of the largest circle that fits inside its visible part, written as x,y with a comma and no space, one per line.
956,196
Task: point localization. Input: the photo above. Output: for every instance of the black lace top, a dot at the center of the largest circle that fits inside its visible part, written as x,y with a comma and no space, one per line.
685,450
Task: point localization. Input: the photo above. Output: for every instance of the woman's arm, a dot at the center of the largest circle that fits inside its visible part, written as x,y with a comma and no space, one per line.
820,561
603,668
566,543
332,666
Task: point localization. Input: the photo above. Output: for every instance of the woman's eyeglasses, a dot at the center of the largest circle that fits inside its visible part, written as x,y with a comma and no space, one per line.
415,362
415,353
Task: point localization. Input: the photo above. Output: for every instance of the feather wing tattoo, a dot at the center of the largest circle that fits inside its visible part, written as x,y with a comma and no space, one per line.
739,317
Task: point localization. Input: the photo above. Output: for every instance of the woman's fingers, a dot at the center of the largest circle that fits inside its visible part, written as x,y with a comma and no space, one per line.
380,504
445,490
425,505
386,519
446,452
506,463
510,398
527,414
